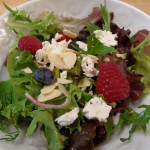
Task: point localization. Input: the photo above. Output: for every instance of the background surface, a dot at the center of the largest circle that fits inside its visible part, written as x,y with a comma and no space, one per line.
141,4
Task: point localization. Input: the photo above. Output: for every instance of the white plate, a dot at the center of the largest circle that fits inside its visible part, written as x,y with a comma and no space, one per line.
125,16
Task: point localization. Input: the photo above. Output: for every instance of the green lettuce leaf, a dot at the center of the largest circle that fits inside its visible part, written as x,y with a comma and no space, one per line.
25,60
91,27
21,81
142,66
18,15
7,94
54,138
42,27
141,120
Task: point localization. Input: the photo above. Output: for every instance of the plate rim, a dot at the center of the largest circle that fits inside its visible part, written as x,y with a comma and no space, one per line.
116,1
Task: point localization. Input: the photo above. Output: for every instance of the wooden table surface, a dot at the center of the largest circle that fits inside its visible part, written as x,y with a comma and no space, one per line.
141,4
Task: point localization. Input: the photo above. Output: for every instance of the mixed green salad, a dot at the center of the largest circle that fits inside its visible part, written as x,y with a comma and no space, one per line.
71,77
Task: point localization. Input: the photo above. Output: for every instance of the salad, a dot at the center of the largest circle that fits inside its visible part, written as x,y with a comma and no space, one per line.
71,77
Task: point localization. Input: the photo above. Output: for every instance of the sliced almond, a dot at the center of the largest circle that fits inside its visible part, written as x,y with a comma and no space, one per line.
57,61
49,88
123,56
107,59
64,81
41,62
69,59
84,83
46,97
113,104
73,51
51,67
70,34
63,90
27,70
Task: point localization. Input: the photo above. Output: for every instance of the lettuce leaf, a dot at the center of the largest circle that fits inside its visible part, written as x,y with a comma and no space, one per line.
142,67
21,81
41,27
54,138
91,27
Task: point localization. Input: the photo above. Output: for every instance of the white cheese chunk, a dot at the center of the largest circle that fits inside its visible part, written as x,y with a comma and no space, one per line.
63,75
106,37
88,67
57,36
82,45
96,108
68,118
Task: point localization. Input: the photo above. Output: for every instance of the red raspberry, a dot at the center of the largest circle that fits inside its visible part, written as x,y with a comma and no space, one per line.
29,43
64,37
111,83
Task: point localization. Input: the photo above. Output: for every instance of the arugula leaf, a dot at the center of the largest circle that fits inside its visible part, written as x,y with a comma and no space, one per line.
19,15
91,27
106,17
95,47
54,138
139,121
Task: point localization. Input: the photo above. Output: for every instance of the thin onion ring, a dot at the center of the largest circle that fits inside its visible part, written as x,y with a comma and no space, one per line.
34,101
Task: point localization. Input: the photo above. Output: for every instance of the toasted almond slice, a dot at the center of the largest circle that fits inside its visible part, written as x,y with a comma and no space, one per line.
123,56
73,51
113,104
84,83
51,67
70,34
41,62
63,90
69,59
46,97
64,81
57,61
49,88
27,70
107,59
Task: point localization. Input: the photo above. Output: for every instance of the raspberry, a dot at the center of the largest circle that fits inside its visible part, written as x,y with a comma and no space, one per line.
29,43
111,83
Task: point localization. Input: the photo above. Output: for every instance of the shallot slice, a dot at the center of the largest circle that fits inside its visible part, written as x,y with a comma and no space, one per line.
34,101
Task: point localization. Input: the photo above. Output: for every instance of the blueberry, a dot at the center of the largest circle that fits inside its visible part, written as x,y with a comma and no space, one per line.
72,43
83,36
44,75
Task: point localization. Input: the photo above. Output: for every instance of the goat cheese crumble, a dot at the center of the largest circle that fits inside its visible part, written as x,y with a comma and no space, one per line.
96,108
63,75
88,67
82,45
68,118
106,37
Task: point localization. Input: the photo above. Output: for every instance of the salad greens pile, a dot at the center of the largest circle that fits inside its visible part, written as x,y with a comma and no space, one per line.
16,109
